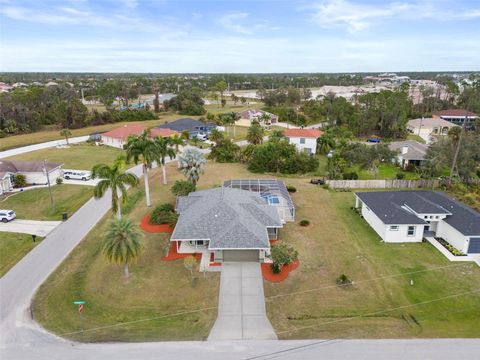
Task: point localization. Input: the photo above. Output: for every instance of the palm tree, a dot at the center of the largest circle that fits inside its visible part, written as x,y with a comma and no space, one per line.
122,243
177,141
162,150
234,118
66,133
255,134
114,178
191,161
142,149
216,136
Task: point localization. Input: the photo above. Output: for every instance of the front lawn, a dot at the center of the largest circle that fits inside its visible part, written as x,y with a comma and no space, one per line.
77,157
385,172
339,242
35,204
13,247
157,292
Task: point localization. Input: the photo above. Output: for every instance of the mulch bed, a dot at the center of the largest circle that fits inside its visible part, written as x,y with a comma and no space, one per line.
276,278
146,226
174,255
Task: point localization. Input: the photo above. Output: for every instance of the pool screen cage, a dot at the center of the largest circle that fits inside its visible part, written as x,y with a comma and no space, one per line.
273,191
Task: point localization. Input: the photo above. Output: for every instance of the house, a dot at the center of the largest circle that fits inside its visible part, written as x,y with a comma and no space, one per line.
247,117
303,139
34,172
194,127
118,137
225,224
410,152
456,116
429,128
409,216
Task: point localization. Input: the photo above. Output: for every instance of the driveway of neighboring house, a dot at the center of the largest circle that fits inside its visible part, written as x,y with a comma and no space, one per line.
33,227
241,304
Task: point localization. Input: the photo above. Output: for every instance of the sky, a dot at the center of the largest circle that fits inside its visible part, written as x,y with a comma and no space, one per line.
249,36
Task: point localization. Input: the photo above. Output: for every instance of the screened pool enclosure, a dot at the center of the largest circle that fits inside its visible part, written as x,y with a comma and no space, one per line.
273,191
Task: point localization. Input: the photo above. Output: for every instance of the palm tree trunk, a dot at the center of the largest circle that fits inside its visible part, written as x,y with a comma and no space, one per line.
147,186
234,129
119,212
164,174
125,271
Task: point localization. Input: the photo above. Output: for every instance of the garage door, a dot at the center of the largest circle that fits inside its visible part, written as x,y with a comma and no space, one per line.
474,247
240,255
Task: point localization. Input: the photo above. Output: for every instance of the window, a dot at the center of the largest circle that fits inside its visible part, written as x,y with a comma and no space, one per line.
411,231
436,217
425,217
394,228
302,140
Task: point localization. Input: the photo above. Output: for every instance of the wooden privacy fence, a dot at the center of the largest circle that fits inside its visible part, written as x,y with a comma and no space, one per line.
382,184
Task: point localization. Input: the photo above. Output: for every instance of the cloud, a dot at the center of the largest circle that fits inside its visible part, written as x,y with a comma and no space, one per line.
130,3
239,22
196,16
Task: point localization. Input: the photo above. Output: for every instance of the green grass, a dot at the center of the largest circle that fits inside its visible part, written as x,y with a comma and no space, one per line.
13,247
339,241
78,157
35,204
385,172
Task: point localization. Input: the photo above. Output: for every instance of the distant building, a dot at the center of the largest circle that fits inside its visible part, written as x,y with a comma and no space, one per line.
456,116
410,152
35,173
247,117
118,137
303,139
429,128
51,83
194,127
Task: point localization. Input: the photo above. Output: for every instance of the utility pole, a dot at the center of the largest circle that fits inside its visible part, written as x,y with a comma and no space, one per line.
48,182
457,150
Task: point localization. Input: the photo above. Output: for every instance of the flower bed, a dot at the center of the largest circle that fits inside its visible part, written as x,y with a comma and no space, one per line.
146,226
453,250
276,278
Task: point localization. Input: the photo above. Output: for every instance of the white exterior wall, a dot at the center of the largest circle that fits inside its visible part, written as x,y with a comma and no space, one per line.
453,236
310,143
114,142
374,221
5,184
41,178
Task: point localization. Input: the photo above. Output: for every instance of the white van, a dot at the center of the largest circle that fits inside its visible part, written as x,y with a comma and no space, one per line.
7,215
77,175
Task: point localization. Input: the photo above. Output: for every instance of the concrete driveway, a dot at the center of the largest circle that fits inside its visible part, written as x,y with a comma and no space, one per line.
241,304
91,182
33,227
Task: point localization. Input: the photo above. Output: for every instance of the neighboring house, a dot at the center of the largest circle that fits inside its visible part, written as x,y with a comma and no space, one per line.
34,172
194,127
247,117
409,216
118,137
429,128
410,152
456,116
225,224
5,182
303,139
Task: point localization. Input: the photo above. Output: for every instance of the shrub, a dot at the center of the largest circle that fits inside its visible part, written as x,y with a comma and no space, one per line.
304,222
182,188
163,214
225,151
19,181
343,280
276,268
350,176
59,181
291,189
282,254
400,176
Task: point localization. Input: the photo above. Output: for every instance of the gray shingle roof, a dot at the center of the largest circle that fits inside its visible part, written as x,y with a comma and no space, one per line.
15,166
387,205
229,218
416,151
185,124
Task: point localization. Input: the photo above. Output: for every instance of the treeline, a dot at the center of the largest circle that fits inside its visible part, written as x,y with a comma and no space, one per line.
26,110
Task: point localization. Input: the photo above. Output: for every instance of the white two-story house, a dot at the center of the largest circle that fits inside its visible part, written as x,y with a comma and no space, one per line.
303,139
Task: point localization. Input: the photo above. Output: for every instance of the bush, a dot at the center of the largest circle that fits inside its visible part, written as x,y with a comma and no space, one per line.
350,176
344,280
282,254
291,189
163,214
225,151
276,268
59,181
19,181
400,176
182,188
304,222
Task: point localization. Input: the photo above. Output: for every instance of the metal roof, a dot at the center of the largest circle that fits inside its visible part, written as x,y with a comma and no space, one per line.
228,218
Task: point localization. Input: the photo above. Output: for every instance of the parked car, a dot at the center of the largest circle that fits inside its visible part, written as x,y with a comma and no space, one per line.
77,175
374,139
200,136
7,215
317,181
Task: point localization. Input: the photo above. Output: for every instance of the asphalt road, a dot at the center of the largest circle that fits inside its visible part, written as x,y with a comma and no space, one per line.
22,338
45,145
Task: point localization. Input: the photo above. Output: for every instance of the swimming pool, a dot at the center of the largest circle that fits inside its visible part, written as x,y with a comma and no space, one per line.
271,199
